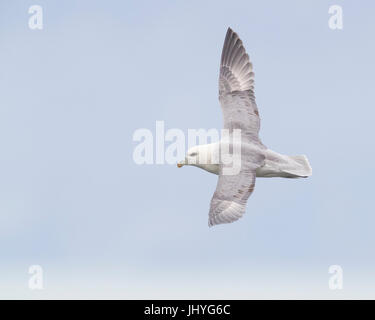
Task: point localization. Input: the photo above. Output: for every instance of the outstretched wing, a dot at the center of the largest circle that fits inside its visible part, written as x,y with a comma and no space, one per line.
236,95
236,90
236,70
232,191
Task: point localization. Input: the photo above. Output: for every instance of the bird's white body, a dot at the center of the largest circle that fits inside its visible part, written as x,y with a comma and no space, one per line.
275,164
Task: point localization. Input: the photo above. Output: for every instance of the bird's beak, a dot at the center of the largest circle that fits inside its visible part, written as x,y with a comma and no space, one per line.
180,163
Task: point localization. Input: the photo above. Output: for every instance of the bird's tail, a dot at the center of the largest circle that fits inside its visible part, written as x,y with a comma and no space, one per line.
302,169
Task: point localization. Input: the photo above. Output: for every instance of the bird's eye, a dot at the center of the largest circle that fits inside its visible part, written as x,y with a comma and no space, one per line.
193,154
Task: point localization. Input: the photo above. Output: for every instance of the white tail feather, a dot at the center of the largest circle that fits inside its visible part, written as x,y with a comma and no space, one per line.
302,169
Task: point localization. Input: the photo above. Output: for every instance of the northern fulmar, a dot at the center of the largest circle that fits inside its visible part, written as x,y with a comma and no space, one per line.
241,120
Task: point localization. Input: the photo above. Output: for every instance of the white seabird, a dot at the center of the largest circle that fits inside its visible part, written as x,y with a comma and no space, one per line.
236,96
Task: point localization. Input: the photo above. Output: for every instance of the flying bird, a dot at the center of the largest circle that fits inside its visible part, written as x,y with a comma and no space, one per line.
241,120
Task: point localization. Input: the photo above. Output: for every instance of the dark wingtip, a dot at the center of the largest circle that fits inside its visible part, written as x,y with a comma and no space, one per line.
230,32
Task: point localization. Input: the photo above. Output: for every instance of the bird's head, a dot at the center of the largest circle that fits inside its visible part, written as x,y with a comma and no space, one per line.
191,157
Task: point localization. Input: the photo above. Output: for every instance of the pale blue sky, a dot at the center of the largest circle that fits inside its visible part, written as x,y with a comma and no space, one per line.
73,201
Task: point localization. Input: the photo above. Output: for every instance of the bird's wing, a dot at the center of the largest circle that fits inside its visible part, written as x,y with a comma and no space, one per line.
236,90
236,95
232,191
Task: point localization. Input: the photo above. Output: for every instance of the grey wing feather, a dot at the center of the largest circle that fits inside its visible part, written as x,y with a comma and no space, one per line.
236,90
240,112
232,191
236,70
224,210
